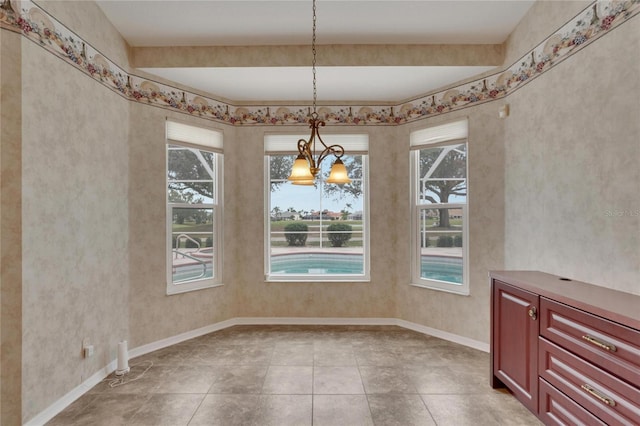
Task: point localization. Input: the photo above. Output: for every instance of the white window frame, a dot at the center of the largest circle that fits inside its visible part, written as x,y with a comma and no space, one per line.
454,133
204,139
354,144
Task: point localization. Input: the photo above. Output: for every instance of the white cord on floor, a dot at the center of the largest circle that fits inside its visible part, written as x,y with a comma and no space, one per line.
122,379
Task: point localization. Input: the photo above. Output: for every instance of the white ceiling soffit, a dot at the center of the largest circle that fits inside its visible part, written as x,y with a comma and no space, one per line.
149,23
367,84
266,22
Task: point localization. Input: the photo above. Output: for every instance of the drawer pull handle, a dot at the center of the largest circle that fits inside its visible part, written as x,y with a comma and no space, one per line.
533,313
598,343
598,395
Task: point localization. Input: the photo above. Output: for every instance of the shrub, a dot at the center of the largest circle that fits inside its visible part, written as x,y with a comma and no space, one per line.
445,241
296,233
344,234
191,244
424,239
209,242
457,241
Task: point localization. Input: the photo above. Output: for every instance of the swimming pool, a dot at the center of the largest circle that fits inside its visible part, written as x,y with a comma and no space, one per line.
317,263
441,268
432,267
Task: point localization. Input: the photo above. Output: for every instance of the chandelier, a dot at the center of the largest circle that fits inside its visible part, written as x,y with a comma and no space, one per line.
307,164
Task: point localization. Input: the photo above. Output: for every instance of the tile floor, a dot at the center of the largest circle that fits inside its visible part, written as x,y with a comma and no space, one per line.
303,375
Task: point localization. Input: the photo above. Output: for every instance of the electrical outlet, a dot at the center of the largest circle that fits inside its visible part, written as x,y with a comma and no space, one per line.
88,351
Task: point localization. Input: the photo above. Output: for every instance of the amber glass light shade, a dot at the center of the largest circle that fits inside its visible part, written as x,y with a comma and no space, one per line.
304,182
338,173
300,172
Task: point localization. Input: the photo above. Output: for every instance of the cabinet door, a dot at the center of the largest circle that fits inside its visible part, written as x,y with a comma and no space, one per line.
514,342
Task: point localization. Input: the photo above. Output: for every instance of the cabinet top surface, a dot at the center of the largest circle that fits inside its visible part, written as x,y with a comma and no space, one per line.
618,306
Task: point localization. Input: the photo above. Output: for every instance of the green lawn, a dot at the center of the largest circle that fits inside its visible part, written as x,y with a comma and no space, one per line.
191,227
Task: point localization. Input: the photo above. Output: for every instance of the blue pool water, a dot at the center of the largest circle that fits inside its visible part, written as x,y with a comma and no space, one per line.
441,268
317,263
432,267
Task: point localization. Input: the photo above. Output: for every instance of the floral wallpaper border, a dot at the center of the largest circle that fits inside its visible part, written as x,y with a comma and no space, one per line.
593,22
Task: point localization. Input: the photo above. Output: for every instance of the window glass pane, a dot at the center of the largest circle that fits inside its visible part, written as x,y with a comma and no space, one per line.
191,192
190,164
280,167
442,174
192,242
190,175
192,220
350,193
441,244
287,198
316,230
439,191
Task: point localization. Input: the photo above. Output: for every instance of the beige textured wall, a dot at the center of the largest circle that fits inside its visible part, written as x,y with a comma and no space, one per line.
75,231
75,226
466,316
10,229
153,314
255,298
329,55
573,167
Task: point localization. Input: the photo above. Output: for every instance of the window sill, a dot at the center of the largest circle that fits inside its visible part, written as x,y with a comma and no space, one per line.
463,291
316,279
188,287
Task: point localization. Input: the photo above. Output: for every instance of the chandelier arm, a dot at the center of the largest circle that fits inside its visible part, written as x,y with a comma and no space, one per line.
302,147
305,149
316,124
335,150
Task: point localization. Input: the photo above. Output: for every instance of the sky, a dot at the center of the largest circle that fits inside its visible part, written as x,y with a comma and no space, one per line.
308,198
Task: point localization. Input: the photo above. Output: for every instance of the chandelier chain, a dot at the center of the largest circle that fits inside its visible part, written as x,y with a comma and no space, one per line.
306,167
313,50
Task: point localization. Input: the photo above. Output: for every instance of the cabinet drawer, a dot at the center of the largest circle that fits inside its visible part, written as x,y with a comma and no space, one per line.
558,409
612,400
611,346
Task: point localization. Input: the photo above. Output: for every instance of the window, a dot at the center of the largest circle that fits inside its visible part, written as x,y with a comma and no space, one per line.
320,232
194,208
439,212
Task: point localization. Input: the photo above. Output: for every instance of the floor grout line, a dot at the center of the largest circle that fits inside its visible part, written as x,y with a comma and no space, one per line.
229,363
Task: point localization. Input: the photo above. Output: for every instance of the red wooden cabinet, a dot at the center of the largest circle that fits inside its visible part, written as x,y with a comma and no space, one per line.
569,351
514,342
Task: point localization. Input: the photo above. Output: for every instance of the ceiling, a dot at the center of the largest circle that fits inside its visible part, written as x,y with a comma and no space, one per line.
162,23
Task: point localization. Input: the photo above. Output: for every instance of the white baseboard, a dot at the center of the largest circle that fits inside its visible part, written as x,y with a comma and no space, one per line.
80,390
55,408
154,346
455,338
159,344
313,321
